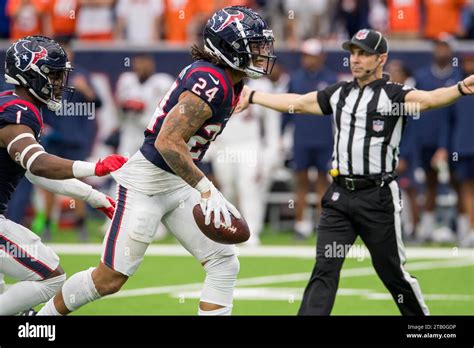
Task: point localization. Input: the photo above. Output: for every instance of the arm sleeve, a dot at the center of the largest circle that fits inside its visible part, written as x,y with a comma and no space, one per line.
71,188
324,97
397,92
203,84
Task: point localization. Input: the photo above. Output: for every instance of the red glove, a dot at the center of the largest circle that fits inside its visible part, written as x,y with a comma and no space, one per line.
109,164
108,211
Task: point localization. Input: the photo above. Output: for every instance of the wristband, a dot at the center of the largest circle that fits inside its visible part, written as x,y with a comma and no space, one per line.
203,185
251,97
81,169
460,89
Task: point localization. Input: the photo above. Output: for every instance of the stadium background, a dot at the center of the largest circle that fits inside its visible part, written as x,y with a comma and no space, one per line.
273,275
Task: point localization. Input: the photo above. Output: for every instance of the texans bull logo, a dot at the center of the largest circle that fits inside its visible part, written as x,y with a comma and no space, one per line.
230,18
25,57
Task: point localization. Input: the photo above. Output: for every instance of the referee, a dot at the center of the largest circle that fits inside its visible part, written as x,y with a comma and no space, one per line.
364,199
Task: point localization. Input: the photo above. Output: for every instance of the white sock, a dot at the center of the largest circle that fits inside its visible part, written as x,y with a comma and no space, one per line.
220,311
304,227
49,309
27,294
428,218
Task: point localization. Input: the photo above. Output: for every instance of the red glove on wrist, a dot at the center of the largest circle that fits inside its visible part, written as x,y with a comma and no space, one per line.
109,164
109,211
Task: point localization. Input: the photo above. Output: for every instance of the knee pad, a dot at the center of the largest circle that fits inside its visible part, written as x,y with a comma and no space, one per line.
220,280
79,290
49,287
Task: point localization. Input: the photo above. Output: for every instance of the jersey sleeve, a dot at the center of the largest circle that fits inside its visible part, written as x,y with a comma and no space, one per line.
397,92
324,97
210,86
21,114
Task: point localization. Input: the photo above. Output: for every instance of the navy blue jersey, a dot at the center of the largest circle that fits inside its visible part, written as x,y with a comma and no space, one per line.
310,131
432,128
210,83
14,110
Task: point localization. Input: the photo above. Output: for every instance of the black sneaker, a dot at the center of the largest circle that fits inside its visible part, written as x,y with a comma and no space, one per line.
28,313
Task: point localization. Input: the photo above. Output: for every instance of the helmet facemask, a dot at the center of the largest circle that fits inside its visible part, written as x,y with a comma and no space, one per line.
55,88
261,57
252,53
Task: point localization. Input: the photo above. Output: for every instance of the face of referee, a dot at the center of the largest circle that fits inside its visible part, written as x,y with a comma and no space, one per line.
366,66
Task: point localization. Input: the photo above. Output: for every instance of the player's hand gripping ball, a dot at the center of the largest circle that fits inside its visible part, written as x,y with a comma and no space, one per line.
237,232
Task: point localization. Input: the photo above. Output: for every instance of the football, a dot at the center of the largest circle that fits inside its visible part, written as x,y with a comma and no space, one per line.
238,232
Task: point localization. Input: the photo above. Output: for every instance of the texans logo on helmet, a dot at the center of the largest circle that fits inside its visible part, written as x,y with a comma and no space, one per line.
230,18
25,57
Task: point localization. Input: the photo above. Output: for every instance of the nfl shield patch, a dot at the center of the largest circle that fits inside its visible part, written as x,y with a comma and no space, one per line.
362,34
335,196
378,125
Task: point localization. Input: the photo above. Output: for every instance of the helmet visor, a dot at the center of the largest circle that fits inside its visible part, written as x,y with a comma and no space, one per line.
58,83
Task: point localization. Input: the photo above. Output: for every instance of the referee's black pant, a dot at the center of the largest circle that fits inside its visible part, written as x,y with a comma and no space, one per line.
372,213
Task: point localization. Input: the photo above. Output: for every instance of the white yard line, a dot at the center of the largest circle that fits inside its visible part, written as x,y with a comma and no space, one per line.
287,278
304,252
292,294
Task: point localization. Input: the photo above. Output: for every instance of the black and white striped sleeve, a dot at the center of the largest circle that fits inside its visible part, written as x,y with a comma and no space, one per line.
397,92
324,97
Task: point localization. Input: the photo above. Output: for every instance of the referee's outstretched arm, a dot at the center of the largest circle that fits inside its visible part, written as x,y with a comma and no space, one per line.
308,103
440,97
285,102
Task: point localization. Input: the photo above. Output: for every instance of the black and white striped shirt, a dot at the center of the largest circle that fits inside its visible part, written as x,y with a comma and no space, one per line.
368,125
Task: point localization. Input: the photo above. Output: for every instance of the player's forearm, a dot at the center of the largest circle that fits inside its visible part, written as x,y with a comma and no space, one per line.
175,152
286,102
52,167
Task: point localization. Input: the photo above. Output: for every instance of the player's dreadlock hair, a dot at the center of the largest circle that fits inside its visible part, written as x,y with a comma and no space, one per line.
198,52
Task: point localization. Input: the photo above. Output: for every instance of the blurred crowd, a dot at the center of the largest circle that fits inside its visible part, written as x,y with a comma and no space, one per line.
265,159
144,22
262,154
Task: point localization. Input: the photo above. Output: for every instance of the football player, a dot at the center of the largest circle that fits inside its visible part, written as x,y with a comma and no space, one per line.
38,67
161,182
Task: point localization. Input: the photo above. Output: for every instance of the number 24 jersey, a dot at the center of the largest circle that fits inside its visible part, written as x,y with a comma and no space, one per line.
214,86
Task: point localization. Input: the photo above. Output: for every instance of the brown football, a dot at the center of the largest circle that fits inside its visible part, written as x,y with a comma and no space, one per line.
238,232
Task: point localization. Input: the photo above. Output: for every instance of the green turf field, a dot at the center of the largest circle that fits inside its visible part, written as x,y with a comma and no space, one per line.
173,284
170,285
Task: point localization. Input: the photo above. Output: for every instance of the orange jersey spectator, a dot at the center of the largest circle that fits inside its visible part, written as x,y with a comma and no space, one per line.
177,16
443,16
404,16
95,21
63,15
27,18
183,17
